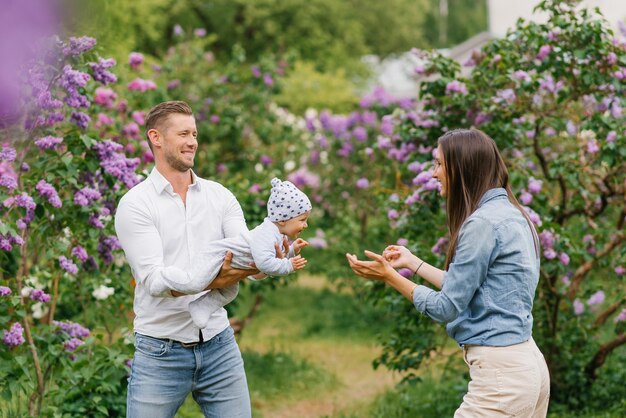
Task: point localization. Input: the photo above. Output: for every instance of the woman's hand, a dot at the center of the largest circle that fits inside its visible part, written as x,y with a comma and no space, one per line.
377,269
399,256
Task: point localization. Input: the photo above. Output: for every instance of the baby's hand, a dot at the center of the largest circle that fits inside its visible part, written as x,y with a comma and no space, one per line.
298,245
298,262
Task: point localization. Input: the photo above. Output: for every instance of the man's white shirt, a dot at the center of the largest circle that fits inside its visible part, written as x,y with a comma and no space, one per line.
157,230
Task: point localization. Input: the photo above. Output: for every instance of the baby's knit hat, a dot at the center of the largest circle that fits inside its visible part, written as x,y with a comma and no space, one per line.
286,201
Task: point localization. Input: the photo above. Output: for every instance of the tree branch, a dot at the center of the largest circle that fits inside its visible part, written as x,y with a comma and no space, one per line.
600,358
601,319
582,271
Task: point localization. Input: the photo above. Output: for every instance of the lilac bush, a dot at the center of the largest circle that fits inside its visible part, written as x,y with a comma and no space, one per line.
560,124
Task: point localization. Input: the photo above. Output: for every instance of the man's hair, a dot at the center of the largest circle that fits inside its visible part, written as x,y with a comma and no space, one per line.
159,114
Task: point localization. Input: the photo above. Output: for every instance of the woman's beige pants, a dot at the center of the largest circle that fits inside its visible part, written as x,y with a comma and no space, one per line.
508,381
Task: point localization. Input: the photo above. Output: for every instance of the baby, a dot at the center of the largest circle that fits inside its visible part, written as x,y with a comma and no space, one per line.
288,210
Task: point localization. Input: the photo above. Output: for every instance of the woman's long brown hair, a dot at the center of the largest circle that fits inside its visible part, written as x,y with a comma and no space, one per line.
473,165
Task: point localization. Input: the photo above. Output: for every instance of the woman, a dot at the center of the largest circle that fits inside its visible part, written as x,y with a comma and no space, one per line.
488,285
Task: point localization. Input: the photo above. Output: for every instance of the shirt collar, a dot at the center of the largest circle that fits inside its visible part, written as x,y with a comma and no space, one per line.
161,183
492,194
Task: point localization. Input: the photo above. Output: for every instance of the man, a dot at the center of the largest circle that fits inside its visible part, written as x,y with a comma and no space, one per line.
160,223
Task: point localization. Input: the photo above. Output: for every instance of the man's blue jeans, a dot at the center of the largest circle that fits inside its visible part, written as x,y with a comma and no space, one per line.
164,373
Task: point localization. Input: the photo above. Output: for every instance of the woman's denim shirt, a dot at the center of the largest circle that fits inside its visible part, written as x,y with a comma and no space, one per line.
488,290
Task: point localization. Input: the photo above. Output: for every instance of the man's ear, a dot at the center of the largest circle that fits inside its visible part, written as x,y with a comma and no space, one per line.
154,137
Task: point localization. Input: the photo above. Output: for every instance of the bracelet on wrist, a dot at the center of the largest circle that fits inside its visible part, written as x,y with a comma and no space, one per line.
418,267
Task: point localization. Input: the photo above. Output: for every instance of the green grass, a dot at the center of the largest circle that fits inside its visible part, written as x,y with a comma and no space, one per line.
304,312
276,376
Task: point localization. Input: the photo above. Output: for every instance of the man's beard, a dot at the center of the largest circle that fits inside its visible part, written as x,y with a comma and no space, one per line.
177,163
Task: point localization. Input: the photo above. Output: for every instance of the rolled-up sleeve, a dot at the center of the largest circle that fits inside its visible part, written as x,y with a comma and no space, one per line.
475,249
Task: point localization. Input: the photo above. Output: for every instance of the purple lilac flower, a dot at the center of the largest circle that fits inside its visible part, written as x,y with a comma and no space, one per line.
415,167
135,59
549,254
302,177
200,32
95,221
534,185
72,344
547,84
439,246
526,198
621,317
131,130
255,188
73,329
80,253
103,120
544,51
68,265
105,97
141,85
100,71
8,181
115,163
39,296
106,246
5,291
23,200
360,134
393,214
72,80
611,136
386,125
265,160
620,270
5,243
48,191
80,119
596,299
268,80
564,258
571,128
79,45
86,196
616,110
7,154
521,75
256,71
139,117
171,85
362,183
547,239
54,118
482,118
402,242
533,216
592,146
15,336
178,30
215,119
318,241
506,96
456,86
579,308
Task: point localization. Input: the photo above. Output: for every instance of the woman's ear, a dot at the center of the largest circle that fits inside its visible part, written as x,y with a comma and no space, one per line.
281,223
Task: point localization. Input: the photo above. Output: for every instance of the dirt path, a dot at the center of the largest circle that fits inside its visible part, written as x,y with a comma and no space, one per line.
350,362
